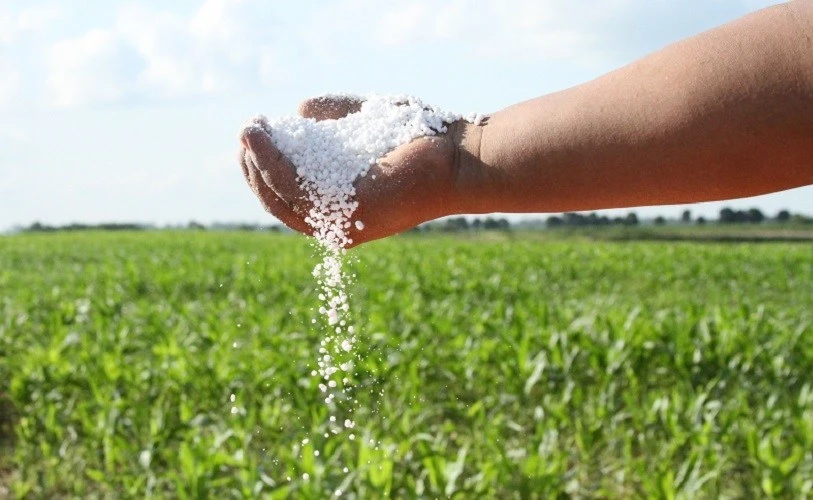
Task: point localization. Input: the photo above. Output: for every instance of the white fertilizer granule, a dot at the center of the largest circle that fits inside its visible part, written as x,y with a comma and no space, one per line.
329,156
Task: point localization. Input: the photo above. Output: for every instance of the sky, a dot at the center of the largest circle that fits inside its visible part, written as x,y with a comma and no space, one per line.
130,111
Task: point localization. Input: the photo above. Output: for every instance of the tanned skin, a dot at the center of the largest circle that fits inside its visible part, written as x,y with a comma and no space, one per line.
721,115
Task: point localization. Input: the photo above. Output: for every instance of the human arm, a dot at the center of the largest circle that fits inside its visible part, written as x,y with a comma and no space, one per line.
725,114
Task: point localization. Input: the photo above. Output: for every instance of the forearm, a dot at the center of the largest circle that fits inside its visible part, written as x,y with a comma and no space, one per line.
725,114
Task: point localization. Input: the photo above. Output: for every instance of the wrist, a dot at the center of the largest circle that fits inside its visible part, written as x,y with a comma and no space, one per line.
473,190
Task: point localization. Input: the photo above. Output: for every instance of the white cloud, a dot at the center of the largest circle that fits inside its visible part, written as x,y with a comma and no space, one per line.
582,31
32,21
23,28
516,29
9,83
156,51
88,69
223,46
38,19
403,24
161,41
8,27
450,21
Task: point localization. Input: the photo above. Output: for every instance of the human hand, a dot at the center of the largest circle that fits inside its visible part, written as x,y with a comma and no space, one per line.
414,183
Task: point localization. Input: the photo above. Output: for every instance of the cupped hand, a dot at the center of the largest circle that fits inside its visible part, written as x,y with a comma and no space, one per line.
414,183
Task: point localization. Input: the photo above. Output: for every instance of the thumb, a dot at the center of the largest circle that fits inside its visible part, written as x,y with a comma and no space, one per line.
330,106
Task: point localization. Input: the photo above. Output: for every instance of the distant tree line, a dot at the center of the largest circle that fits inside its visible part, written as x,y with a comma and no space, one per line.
460,224
727,216
753,216
571,219
38,227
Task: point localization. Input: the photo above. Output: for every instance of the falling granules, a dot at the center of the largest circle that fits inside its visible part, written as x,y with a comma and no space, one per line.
329,156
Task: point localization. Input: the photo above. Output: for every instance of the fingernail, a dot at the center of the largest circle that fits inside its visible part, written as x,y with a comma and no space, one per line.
257,124
250,135
260,120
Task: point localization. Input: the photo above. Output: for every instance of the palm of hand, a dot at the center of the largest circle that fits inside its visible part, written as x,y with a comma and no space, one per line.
410,185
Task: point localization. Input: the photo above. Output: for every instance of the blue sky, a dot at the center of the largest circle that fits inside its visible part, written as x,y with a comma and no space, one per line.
129,111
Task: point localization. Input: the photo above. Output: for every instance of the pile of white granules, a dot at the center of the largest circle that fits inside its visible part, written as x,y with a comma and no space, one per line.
329,156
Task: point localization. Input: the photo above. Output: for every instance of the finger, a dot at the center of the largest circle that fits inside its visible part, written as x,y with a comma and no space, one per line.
242,158
277,172
330,107
272,203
